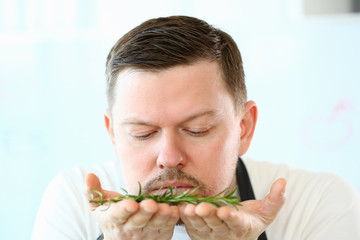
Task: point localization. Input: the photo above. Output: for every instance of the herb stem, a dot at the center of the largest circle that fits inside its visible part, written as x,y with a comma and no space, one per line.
172,197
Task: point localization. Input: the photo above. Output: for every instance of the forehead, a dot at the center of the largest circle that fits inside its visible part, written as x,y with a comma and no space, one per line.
171,93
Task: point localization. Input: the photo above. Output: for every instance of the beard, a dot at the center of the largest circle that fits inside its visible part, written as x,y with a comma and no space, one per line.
178,175
175,174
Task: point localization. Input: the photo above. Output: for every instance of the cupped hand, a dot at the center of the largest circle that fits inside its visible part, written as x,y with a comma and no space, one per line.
205,221
128,219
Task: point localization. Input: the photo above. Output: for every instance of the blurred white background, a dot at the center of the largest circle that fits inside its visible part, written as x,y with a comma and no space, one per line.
301,60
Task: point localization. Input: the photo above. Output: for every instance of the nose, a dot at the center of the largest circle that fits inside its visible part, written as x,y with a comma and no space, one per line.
171,154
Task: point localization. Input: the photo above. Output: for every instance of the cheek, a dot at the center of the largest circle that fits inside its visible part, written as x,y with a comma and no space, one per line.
217,162
137,165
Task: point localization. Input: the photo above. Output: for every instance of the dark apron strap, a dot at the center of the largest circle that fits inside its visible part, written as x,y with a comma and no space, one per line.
245,188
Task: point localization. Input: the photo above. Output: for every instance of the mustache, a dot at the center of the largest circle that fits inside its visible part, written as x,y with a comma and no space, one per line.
175,174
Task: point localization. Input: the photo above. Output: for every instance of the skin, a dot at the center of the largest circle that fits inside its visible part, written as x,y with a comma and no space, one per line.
182,118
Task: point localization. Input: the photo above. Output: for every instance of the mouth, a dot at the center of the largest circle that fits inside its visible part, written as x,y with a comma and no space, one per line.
177,187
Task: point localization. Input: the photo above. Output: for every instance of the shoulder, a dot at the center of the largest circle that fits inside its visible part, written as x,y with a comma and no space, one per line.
109,174
64,207
318,206
69,185
263,174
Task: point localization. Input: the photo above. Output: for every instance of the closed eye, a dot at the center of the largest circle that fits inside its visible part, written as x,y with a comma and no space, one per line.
197,133
144,136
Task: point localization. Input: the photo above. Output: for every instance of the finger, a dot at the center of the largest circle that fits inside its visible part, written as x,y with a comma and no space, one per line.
190,217
140,219
92,182
256,212
273,202
208,212
174,216
160,219
183,217
117,213
236,219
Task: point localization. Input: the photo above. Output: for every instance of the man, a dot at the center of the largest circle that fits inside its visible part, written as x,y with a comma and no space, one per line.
178,115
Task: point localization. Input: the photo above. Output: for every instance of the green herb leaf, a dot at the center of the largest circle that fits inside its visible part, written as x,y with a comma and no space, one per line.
172,197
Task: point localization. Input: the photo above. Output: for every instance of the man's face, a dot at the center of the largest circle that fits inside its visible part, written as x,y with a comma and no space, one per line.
176,126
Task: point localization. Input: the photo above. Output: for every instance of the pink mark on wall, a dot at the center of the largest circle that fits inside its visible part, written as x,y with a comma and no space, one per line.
330,131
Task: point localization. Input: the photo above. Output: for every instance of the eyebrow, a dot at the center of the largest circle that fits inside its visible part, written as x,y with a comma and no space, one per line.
135,121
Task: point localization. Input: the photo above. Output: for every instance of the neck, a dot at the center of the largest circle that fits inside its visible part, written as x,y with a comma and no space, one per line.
232,185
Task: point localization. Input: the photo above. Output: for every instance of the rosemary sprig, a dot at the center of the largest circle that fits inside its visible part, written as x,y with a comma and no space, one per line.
172,197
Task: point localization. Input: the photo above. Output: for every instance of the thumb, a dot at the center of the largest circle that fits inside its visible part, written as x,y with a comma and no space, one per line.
273,202
92,182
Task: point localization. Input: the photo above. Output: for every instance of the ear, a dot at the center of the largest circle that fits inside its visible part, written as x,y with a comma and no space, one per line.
109,126
247,124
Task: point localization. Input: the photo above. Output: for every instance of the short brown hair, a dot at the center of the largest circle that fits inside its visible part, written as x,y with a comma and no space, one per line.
161,43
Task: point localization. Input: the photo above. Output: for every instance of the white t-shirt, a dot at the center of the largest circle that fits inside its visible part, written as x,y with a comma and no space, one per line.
319,206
